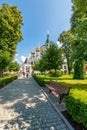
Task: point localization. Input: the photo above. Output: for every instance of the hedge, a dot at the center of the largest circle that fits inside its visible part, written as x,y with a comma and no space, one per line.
6,80
40,81
77,109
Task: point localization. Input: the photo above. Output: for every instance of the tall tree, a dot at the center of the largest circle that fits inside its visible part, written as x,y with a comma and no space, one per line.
10,29
79,27
54,57
14,66
80,48
42,65
51,59
67,40
79,8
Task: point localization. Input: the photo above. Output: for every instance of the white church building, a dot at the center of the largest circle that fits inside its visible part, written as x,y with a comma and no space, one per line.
26,67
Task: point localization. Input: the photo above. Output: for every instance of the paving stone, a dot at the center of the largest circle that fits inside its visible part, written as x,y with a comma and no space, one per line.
46,128
52,128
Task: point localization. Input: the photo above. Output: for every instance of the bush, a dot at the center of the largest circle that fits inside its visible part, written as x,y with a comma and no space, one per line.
77,110
58,73
7,80
40,81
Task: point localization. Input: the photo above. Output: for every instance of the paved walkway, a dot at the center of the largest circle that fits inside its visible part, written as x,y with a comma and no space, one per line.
24,106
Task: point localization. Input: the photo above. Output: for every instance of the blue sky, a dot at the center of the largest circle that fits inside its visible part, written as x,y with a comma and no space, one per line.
39,17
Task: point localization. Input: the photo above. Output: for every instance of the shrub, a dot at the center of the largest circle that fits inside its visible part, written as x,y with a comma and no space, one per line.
7,80
40,81
58,73
77,110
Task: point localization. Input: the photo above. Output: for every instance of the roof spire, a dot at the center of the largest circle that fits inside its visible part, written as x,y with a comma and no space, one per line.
48,40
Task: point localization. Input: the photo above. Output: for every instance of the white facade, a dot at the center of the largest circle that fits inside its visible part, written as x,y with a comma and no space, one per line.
26,69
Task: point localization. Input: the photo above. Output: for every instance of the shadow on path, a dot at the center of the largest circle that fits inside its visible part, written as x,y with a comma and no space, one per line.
24,106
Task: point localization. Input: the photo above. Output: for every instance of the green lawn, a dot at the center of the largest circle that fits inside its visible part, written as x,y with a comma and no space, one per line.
79,87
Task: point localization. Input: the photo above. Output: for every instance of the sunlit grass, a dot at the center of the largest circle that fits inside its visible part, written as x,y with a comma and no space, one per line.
78,87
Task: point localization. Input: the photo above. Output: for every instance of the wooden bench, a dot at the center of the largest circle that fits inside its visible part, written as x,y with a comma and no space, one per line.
58,88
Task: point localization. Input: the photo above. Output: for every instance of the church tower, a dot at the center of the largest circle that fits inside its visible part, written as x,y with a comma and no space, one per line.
47,43
38,51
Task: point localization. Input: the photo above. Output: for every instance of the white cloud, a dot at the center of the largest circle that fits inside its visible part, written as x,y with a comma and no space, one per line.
23,58
59,44
16,55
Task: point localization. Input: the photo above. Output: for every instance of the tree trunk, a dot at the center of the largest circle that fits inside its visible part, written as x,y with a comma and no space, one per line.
69,69
56,75
69,64
79,69
45,74
1,73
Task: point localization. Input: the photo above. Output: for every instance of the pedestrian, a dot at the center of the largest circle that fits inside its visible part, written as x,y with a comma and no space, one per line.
23,74
27,75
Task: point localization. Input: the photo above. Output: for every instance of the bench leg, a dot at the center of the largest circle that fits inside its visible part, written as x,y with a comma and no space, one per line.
50,91
61,98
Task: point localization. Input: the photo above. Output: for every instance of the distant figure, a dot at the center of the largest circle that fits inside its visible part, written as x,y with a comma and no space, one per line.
27,75
23,74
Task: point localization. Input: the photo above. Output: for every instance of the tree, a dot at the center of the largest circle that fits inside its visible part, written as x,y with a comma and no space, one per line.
51,59
67,40
42,64
10,30
79,8
78,26
36,66
4,61
14,66
80,48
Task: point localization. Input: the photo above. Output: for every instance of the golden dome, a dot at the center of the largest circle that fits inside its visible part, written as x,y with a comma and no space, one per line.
38,49
32,52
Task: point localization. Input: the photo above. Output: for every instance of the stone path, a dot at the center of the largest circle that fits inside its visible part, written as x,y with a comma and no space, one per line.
23,106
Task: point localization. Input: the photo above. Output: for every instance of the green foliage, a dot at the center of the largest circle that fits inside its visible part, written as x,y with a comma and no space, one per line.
67,40
79,28
10,28
79,69
77,110
50,59
58,73
13,66
80,6
54,57
79,9
36,66
43,63
80,49
10,32
4,59
39,80
7,80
